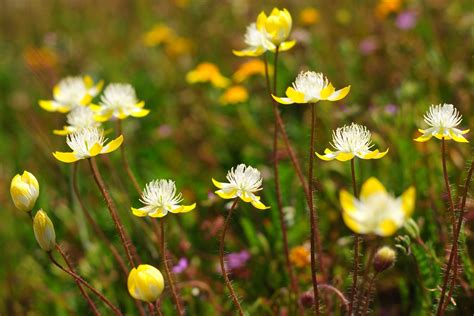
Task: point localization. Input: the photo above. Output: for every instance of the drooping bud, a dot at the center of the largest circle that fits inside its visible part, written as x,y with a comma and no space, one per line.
307,299
384,259
145,283
24,190
44,231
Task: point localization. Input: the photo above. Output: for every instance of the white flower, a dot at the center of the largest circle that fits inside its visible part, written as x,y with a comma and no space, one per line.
119,100
86,143
443,120
80,117
244,182
71,92
160,197
311,87
350,141
376,212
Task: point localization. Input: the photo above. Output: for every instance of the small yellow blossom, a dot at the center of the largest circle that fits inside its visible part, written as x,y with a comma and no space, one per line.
351,141
72,92
244,182
40,58
87,143
300,256
309,16
159,33
311,87
178,46
250,68
233,95
207,72
80,117
24,190
160,197
443,120
386,7
376,211
145,283
44,231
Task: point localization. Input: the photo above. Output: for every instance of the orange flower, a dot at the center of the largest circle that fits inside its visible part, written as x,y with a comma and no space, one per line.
300,256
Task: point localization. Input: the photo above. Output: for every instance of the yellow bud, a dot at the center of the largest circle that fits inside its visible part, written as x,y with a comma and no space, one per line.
145,283
384,259
277,25
44,231
24,190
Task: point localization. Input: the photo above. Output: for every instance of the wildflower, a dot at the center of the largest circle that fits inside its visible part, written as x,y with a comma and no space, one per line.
180,266
376,211
385,7
40,58
160,197
233,95
310,87
145,283
71,92
159,33
309,16
80,117
443,120
207,72
406,20
351,141
237,260
384,259
244,182
178,46
250,68
300,256
86,143
24,190
119,100
368,45
44,231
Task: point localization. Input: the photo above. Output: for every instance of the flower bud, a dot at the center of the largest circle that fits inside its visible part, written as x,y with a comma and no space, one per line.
307,299
384,259
44,231
145,283
277,25
24,190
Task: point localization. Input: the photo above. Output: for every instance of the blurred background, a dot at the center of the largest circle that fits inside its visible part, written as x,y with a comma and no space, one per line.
399,56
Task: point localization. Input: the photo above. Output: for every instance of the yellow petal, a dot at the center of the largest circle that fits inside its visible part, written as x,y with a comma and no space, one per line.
157,214
423,138
47,105
65,157
61,132
380,155
352,224
408,201
326,92
140,113
139,212
347,201
95,150
458,138
465,131
102,117
86,99
282,100
344,156
340,94
259,205
324,157
386,228
140,104
296,96
88,82
217,183
95,107
371,186
249,52
112,145
99,86
224,195
286,45
188,208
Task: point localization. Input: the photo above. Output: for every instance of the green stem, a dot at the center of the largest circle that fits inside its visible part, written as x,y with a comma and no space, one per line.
125,161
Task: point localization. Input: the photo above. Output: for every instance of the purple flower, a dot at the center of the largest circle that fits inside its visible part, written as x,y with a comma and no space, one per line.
180,266
237,260
368,45
406,20
391,108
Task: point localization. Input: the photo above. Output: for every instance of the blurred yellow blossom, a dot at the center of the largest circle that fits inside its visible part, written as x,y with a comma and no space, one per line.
80,117
309,16
250,68
233,95
385,7
178,46
207,72
343,16
159,33
300,256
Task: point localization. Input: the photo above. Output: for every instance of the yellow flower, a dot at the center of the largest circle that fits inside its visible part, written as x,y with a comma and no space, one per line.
160,197
300,256
145,283
24,190
233,95
159,33
311,87
71,92
443,120
80,117
40,58
309,16
44,231
178,46
119,100
385,7
86,143
244,182
376,211
351,141
250,68
207,72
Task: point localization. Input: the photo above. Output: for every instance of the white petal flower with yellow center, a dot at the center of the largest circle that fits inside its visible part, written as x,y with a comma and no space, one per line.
443,120
244,182
311,87
80,117
351,141
160,197
71,92
376,211
86,143
119,100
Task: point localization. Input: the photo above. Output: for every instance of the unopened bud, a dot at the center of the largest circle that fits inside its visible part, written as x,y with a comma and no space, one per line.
384,259
307,299
24,190
44,231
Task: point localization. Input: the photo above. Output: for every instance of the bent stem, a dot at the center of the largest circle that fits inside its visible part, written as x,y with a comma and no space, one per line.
77,278
356,249
221,257
125,161
338,293
113,211
454,247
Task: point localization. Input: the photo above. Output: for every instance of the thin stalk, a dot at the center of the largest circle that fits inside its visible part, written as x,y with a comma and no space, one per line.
169,275
127,245
312,213
125,161
454,248
369,290
79,285
365,276
83,282
356,249
221,257
338,293
152,309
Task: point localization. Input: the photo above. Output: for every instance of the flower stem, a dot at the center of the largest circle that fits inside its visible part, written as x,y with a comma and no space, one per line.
356,249
152,309
125,161
77,278
369,290
127,245
221,257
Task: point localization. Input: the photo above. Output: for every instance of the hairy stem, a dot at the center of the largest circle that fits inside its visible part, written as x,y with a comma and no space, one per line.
355,268
369,290
125,161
